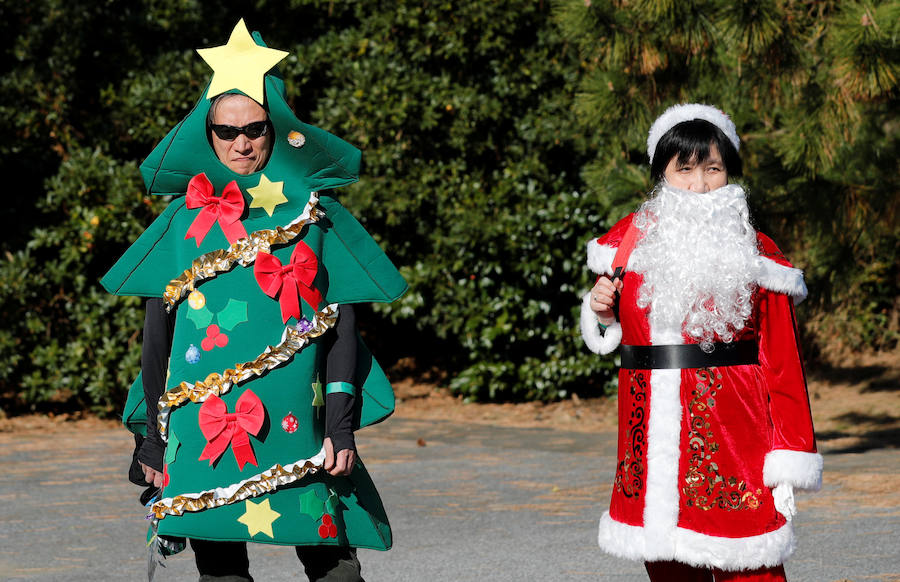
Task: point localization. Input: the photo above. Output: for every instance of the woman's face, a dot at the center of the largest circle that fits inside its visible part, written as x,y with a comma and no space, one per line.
695,176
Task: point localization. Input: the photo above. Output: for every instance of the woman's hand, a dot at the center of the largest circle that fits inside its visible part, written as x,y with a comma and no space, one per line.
603,297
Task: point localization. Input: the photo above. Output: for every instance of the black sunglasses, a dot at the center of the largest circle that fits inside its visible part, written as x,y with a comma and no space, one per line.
251,130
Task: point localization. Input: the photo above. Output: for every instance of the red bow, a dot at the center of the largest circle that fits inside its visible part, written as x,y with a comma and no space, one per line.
222,428
296,279
226,209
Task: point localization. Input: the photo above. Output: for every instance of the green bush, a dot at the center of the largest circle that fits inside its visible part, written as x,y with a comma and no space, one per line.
497,137
813,89
471,181
472,174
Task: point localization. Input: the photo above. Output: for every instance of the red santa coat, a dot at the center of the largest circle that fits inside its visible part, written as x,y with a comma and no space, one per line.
699,450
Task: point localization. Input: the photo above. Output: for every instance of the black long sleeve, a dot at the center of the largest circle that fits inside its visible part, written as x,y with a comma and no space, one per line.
341,367
159,327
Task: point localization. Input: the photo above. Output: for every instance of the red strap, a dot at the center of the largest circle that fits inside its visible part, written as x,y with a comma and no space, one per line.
624,251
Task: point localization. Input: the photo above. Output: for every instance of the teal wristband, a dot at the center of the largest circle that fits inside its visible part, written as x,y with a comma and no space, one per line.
345,387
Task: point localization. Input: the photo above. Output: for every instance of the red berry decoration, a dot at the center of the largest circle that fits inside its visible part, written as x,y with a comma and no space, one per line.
213,338
289,423
327,529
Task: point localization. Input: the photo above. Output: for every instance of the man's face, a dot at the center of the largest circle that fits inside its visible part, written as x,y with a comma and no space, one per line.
242,154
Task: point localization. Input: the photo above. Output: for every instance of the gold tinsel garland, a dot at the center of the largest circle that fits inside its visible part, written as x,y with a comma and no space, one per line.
242,251
293,340
264,482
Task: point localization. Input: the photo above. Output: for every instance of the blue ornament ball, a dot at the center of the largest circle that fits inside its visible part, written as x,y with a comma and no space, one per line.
192,355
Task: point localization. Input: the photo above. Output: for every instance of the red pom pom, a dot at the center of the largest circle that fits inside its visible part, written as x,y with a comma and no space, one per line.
328,529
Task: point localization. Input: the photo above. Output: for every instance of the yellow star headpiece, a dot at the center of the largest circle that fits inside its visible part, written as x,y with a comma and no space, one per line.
241,64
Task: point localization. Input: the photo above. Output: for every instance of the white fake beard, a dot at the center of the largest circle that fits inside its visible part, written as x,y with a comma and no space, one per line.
699,260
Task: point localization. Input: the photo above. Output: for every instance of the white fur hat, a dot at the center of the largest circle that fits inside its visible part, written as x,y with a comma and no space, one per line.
687,112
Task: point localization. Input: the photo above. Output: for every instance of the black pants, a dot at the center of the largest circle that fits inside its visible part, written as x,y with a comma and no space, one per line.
228,562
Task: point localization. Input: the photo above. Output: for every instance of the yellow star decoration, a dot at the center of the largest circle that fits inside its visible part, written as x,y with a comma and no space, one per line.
259,517
241,64
318,399
267,195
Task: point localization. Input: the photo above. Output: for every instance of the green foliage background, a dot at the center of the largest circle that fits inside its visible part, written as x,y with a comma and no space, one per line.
497,138
812,87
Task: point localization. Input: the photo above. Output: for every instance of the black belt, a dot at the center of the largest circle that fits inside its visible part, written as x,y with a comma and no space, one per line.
689,356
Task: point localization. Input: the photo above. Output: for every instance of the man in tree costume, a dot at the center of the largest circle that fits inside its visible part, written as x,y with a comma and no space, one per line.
252,371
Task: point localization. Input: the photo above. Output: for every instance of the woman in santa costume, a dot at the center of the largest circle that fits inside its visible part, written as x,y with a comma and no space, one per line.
715,431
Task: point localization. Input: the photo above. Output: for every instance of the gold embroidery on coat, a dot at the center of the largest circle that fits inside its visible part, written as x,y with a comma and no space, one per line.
705,487
630,471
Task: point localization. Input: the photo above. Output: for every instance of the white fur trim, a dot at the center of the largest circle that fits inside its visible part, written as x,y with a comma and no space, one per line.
634,543
761,551
687,112
597,341
800,469
782,279
663,438
600,257
622,540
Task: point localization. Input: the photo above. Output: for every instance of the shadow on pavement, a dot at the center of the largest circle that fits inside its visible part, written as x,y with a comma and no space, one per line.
878,438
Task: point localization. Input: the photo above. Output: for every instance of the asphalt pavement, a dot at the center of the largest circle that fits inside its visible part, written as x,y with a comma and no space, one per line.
466,502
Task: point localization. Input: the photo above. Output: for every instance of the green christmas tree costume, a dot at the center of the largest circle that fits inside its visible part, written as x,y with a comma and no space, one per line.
251,372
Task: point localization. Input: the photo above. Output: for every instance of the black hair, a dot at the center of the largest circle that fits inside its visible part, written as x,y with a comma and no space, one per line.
693,138
214,104
210,115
